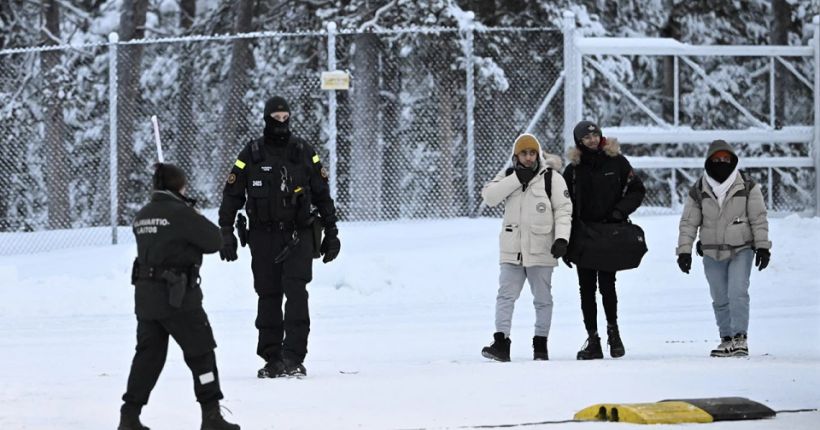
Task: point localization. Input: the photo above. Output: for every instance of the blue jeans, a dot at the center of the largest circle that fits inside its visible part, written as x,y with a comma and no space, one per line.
729,285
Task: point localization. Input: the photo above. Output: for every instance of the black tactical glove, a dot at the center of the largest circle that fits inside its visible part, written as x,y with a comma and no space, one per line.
762,258
559,248
699,249
685,262
331,245
229,245
525,175
616,217
566,261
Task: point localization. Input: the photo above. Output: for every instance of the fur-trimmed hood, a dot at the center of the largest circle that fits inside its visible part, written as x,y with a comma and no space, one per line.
611,148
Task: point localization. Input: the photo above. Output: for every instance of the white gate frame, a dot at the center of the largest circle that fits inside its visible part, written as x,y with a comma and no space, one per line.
578,49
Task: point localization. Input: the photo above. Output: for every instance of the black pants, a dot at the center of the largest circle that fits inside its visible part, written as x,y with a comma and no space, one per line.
591,281
281,335
192,331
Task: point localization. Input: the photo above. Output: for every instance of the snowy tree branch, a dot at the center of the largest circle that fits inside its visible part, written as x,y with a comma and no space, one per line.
78,12
51,36
372,22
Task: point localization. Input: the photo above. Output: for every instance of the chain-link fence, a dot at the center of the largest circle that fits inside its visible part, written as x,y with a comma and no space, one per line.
430,117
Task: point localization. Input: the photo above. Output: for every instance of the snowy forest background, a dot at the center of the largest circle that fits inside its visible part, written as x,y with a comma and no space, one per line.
402,127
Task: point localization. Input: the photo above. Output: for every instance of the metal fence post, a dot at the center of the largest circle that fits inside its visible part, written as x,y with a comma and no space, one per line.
331,115
569,78
113,39
470,90
816,149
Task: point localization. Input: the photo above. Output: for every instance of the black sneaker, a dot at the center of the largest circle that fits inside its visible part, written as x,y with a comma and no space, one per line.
724,349
539,348
212,419
592,349
500,348
130,418
273,369
613,339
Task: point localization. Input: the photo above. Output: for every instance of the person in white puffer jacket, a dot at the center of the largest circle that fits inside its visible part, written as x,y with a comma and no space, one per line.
534,235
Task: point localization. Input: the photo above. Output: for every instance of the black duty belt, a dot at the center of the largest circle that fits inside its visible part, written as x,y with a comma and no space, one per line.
281,225
178,279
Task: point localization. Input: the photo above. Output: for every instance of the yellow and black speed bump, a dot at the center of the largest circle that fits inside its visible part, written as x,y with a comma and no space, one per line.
678,411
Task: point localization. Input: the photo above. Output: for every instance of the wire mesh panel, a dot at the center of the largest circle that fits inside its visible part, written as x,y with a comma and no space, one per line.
516,69
53,156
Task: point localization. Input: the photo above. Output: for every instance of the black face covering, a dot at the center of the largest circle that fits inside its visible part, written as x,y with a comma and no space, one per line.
720,171
274,128
518,166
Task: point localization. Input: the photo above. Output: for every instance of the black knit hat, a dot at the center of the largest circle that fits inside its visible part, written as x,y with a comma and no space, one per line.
168,177
276,104
584,128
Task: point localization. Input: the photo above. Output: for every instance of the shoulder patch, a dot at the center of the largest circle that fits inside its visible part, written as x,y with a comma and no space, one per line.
315,158
566,193
231,178
324,172
239,163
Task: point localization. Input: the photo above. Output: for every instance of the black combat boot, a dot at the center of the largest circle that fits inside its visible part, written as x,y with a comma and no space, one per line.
273,369
294,367
500,348
539,348
592,349
613,339
212,418
130,418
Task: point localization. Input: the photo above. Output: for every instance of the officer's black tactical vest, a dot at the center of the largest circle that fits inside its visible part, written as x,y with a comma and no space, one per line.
278,187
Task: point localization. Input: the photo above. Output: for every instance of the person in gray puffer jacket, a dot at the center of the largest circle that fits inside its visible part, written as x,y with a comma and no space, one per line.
728,208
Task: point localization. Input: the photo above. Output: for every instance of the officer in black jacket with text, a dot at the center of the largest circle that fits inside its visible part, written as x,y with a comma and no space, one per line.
171,237
603,188
278,177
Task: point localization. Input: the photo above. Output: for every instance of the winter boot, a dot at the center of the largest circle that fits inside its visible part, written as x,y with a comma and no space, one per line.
212,418
500,348
294,368
539,348
724,349
740,346
592,349
273,369
130,418
613,339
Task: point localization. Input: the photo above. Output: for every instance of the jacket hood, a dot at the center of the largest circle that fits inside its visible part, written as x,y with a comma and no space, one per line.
547,160
611,148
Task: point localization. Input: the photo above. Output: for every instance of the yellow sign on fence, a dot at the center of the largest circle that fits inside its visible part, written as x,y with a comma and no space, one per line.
336,80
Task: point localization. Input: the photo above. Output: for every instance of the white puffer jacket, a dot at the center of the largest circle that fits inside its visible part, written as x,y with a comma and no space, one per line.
532,221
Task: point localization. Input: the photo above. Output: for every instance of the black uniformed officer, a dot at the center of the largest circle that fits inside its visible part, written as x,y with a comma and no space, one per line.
281,175
171,238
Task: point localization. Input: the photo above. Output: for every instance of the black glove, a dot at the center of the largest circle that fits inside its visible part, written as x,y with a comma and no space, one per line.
566,261
229,245
331,245
616,216
559,248
685,262
699,249
762,258
525,175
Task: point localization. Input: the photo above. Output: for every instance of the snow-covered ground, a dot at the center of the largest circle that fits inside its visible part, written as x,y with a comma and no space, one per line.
398,322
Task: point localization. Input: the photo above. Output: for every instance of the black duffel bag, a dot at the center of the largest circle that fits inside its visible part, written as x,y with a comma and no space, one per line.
609,247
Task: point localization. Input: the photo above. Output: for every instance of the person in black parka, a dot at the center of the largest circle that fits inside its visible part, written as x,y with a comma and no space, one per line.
603,188
171,238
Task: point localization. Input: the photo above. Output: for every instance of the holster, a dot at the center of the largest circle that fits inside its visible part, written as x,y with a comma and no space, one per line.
177,280
242,229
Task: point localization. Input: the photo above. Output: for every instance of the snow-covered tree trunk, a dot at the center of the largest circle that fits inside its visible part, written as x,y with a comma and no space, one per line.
185,114
446,169
779,35
671,30
393,150
366,166
129,62
234,114
53,75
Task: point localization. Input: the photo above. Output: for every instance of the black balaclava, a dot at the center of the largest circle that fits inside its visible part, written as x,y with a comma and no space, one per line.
276,133
720,171
584,128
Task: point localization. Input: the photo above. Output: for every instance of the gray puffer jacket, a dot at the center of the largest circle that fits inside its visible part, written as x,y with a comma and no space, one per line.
739,224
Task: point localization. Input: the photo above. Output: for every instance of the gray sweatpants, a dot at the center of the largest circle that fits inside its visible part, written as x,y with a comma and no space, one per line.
511,283
729,285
